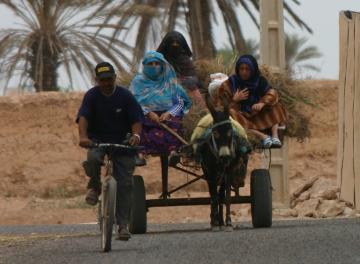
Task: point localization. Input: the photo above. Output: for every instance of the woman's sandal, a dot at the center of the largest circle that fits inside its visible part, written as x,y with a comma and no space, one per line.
276,142
267,142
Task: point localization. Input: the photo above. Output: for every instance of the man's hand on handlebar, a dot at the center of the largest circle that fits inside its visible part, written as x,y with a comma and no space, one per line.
85,142
134,140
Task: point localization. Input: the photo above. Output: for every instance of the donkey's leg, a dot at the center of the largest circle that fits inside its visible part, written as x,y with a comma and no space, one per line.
221,203
228,203
214,215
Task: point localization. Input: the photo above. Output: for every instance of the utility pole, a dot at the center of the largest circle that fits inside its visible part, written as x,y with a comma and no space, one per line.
272,53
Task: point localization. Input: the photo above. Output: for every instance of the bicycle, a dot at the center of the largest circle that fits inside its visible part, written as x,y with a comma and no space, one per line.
107,204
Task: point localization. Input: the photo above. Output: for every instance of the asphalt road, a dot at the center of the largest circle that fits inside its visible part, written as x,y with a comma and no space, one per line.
313,241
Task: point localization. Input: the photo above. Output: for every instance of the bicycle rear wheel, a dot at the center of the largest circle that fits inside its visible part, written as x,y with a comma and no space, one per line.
107,213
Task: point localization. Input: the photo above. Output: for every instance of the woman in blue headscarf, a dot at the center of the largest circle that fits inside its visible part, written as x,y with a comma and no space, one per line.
253,102
163,100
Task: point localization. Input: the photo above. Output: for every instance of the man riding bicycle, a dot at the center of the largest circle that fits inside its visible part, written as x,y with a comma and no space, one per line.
108,114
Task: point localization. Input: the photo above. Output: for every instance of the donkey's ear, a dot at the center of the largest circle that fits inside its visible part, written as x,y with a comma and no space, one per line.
210,105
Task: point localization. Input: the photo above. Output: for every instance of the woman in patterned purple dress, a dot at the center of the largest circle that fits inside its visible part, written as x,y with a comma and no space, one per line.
163,100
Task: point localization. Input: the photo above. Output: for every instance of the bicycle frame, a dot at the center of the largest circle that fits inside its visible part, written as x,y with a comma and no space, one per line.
108,170
107,205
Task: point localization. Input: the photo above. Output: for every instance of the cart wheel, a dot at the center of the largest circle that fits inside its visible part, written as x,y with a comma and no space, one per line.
138,222
261,198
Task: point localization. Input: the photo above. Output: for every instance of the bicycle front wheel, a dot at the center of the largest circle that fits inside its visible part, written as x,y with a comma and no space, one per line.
107,213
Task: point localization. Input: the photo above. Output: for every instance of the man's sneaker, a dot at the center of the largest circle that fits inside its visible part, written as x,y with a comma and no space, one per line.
92,197
123,233
140,161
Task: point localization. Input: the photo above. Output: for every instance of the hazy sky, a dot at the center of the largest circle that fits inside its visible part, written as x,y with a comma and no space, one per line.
323,18
321,15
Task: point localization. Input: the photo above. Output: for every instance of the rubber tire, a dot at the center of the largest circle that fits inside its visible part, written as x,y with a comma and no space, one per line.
261,198
138,220
108,202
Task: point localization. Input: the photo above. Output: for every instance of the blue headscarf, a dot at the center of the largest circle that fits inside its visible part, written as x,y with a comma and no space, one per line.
156,89
256,84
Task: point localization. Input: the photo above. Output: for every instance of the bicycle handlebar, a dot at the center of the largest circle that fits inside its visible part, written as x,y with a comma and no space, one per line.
117,146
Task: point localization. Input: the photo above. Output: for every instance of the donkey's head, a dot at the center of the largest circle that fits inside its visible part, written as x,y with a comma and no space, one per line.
221,137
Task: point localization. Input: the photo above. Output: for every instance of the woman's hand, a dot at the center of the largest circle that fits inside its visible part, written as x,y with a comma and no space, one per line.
258,107
165,116
153,117
241,95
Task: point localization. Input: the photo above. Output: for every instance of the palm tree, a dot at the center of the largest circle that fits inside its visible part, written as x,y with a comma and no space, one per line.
198,16
296,54
56,34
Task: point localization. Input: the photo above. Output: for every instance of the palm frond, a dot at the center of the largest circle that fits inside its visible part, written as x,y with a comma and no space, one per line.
311,67
296,53
58,34
310,52
197,16
173,14
296,18
249,12
232,25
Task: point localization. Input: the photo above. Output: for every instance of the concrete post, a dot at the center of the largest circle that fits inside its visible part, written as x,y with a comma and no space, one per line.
272,53
272,39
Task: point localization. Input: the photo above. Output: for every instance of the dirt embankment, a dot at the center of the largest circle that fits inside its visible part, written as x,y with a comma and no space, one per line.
38,140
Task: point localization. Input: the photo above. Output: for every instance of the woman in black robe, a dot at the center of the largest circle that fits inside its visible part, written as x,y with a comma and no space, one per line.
177,52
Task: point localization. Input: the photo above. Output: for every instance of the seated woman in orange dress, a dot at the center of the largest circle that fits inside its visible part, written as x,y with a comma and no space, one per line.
253,102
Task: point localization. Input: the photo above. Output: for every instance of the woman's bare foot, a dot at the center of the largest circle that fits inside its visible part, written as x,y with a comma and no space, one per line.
274,131
275,136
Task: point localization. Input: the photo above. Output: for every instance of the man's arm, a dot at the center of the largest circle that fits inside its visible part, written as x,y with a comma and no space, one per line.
83,126
136,128
83,117
136,132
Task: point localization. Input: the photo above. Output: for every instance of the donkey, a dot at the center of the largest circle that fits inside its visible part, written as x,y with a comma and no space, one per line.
224,157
